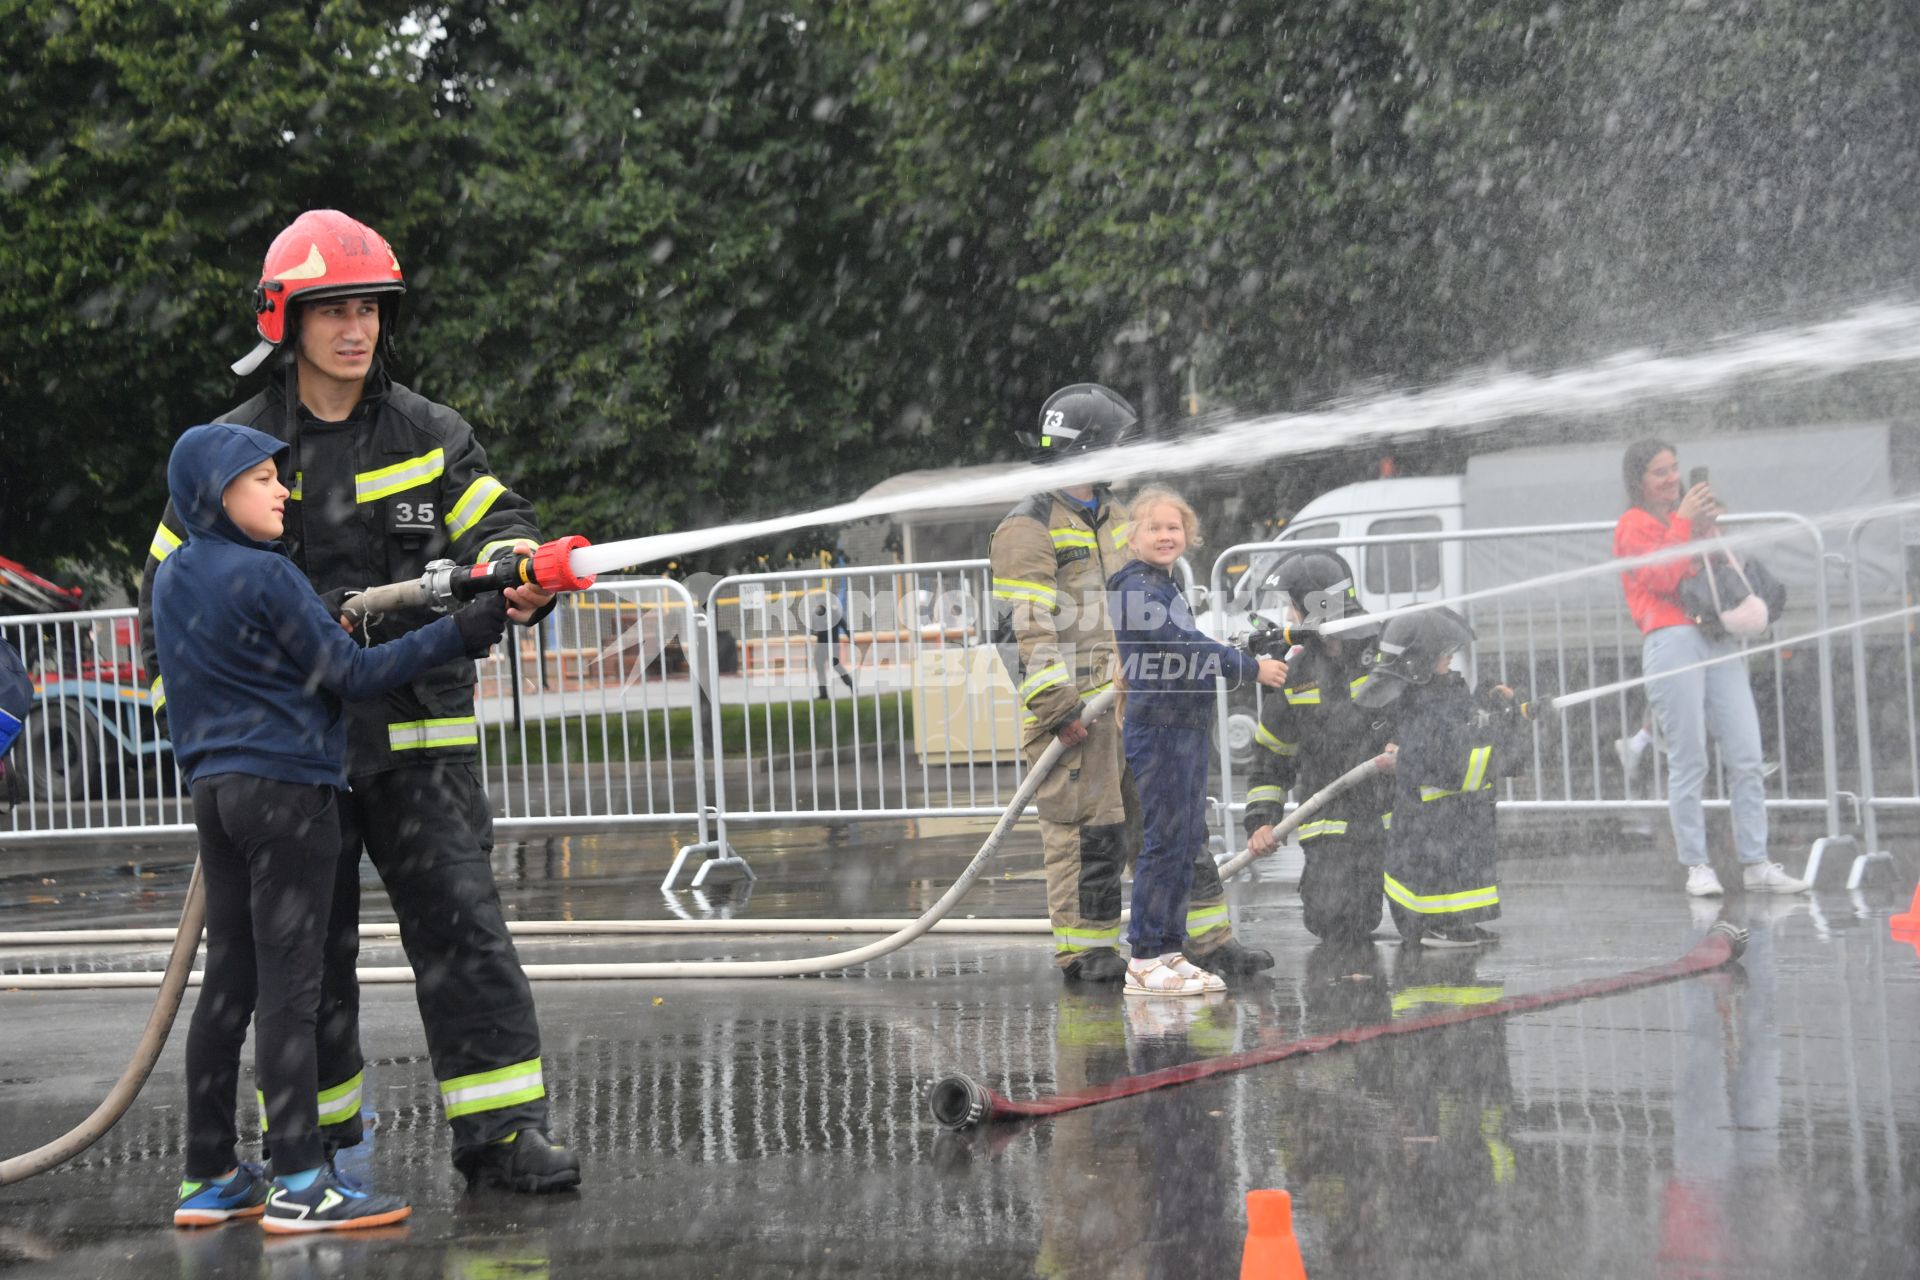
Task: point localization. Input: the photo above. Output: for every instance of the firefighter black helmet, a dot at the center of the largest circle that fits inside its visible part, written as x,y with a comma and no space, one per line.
1409,647
1319,585
1079,419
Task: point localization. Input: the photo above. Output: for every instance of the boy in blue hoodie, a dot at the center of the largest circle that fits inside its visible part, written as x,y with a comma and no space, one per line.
256,669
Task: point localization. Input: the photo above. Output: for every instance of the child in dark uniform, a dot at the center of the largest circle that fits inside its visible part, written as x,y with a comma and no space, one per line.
1440,875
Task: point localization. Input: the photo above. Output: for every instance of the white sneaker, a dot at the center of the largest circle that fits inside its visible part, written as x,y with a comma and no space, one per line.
1702,883
1770,877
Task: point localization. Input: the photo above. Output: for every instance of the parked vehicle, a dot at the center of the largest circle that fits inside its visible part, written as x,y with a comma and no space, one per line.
90,734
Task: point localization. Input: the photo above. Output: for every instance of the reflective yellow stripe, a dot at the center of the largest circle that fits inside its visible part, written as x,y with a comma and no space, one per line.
416,735
1386,821
371,486
1267,795
1440,903
1324,827
1413,997
493,1090
1206,920
1307,697
1354,685
294,493
342,1102
1266,738
486,552
1072,537
157,693
1020,589
1477,769
474,503
1084,939
165,543
1045,678
1085,695
1120,532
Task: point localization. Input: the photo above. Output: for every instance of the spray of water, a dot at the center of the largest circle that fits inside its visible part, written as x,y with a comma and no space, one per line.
1880,333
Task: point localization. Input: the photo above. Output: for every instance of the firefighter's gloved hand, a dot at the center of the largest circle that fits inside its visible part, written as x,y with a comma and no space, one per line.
482,623
336,602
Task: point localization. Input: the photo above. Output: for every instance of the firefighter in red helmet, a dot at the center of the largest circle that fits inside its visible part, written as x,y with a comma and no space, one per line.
383,481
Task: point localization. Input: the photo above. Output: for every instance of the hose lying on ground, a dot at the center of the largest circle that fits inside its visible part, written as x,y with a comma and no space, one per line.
902,933
959,1102
193,915
173,981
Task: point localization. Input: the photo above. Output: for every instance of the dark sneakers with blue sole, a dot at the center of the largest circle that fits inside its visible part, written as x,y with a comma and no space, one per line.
204,1203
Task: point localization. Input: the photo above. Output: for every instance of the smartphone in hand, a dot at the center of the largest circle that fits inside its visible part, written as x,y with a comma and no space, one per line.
1696,477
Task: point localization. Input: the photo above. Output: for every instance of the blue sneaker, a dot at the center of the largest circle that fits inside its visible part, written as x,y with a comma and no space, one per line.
329,1204
204,1204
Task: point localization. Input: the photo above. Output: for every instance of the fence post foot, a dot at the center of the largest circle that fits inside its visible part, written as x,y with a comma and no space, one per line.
1861,863
718,856
1812,874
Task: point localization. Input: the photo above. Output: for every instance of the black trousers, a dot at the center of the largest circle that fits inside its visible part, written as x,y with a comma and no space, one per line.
268,852
429,833
1340,885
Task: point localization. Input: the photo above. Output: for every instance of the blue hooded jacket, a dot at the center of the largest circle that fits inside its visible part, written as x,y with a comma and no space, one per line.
255,666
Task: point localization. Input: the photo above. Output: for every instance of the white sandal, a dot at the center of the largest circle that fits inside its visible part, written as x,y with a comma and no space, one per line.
1161,976
1188,969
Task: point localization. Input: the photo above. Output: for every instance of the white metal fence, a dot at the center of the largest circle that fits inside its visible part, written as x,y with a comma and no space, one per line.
839,694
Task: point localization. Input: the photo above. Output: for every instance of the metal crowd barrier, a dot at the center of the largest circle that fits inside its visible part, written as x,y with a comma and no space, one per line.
1571,635
593,719
923,723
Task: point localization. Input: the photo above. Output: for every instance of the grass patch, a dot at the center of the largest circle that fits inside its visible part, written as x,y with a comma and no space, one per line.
762,728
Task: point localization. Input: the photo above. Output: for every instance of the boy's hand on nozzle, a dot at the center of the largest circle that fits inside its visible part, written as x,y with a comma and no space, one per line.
1262,842
526,601
336,602
1273,673
482,623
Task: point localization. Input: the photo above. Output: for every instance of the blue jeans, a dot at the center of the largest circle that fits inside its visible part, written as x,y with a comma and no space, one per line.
1716,700
1169,764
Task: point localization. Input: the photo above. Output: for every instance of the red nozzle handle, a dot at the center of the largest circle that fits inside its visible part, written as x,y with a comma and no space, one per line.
552,567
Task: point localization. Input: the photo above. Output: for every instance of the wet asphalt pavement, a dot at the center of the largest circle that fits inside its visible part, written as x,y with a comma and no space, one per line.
1763,1121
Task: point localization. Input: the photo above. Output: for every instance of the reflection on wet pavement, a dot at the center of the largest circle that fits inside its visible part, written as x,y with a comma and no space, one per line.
1760,1122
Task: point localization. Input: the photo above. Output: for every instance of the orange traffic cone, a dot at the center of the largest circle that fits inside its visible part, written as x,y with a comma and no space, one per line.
1271,1253
1906,928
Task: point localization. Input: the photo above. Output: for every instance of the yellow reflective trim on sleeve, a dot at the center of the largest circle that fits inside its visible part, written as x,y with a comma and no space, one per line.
1120,532
1266,738
165,543
1045,678
1309,696
420,735
474,503
1440,903
486,552
371,486
1386,821
157,693
1020,589
1324,827
1267,795
1356,684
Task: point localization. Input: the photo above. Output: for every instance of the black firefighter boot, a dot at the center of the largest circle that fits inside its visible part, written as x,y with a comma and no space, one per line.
524,1161
1230,957
1101,964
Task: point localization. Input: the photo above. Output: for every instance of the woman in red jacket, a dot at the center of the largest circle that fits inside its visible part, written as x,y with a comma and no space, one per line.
1692,703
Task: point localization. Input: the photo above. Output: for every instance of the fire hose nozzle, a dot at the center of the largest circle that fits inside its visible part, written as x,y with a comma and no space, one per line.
552,566
958,1102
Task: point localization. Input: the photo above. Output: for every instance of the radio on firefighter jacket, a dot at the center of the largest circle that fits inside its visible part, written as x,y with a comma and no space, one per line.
409,485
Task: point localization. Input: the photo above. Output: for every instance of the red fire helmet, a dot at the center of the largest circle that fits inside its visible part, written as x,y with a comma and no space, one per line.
322,254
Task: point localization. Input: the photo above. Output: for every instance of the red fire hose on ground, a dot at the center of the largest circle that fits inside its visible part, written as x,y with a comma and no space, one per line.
959,1102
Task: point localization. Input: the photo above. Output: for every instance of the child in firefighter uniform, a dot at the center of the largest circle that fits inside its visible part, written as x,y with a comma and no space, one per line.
1440,879
1170,671
1313,731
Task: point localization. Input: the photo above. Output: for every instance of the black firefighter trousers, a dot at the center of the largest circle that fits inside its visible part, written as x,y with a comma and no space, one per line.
428,831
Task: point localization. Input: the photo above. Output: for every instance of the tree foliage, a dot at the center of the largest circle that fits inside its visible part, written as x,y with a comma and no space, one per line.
693,262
